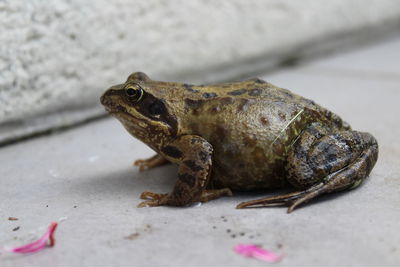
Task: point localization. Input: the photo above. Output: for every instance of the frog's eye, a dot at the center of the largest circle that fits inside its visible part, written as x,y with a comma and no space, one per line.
134,92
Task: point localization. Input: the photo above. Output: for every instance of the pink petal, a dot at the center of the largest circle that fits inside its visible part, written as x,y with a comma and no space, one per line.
250,250
41,243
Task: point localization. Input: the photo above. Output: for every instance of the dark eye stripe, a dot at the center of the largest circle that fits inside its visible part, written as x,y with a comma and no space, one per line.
156,108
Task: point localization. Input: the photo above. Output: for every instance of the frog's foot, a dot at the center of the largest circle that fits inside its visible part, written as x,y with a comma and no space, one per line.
286,199
155,161
156,199
151,203
152,199
146,195
211,194
292,200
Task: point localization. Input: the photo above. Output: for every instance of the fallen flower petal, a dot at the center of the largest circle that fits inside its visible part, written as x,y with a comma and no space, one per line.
41,243
250,250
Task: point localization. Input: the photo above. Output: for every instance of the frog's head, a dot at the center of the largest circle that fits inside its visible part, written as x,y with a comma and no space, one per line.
140,106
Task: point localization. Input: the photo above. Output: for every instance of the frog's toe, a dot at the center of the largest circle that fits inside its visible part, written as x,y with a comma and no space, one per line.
141,164
149,203
155,161
290,200
153,199
159,201
151,196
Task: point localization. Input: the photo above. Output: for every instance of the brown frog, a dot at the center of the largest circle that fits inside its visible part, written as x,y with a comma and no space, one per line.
240,136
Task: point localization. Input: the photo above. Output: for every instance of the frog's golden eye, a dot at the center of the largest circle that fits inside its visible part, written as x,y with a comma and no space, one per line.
134,92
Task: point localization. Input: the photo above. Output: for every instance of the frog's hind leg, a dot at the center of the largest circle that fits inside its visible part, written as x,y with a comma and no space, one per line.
324,164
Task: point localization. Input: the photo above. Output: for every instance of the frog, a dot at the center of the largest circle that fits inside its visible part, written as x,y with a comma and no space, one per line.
237,137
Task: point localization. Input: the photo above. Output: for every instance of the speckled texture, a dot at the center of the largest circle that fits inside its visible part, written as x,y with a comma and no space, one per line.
59,55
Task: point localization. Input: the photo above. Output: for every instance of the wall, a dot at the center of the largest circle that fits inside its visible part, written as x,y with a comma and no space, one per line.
57,57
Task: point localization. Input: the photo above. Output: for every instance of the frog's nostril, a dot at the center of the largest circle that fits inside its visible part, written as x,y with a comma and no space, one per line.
105,99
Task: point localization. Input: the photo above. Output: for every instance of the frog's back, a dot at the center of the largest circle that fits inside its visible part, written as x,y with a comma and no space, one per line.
243,111
248,125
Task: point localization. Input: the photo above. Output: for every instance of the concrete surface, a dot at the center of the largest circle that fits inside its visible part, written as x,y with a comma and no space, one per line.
85,174
57,56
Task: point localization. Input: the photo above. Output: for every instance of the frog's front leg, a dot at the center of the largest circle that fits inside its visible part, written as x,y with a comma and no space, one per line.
323,162
194,156
154,161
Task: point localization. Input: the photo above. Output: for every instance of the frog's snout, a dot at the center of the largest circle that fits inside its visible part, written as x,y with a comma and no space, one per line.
105,99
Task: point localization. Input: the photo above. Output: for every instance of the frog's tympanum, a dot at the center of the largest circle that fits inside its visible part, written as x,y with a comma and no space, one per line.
240,136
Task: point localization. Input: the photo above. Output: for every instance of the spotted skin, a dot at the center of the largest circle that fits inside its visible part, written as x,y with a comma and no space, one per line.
240,136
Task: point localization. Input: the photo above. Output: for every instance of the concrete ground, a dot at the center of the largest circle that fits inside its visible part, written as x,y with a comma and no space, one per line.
85,175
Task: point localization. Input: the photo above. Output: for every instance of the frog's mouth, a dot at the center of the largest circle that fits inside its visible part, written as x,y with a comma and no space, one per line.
126,118
120,112
116,110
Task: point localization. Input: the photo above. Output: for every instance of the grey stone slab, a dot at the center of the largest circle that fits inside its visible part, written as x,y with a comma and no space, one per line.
85,174
380,61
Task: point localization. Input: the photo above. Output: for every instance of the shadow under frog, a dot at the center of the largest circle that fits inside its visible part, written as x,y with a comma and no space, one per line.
240,136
